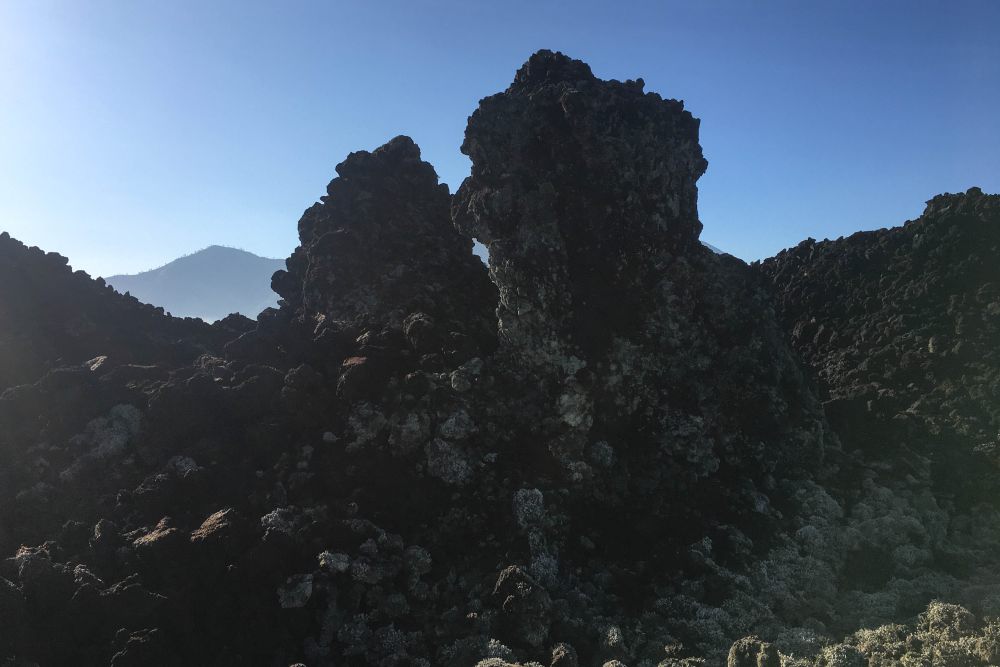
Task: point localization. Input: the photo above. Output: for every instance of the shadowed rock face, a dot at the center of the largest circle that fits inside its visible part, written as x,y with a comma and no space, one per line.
636,335
380,246
579,186
634,472
53,316
902,329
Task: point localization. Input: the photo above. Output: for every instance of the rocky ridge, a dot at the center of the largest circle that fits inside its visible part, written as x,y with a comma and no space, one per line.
647,452
54,316
902,329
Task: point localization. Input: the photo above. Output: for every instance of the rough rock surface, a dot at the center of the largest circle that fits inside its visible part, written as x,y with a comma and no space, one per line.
902,329
54,316
626,465
654,355
656,384
380,246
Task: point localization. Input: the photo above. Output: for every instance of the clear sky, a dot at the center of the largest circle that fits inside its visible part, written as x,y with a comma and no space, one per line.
135,131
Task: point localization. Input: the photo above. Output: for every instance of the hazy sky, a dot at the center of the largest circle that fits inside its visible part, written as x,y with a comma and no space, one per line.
132,132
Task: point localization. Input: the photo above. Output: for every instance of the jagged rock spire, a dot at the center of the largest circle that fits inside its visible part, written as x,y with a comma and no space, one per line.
577,184
379,245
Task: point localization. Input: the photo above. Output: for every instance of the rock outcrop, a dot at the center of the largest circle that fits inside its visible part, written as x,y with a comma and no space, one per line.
902,329
656,383
581,189
610,454
210,284
646,347
55,316
380,246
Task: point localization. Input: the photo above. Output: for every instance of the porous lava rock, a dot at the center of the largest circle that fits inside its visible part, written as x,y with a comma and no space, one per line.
380,246
624,464
902,329
581,189
657,383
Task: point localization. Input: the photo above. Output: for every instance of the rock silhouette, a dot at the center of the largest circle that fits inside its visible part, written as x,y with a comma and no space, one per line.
907,352
613,446
54,316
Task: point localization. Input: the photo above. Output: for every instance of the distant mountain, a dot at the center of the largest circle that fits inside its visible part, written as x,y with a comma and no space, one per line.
209,284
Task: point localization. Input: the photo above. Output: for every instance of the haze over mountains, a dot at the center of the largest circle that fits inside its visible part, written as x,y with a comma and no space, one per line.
209,284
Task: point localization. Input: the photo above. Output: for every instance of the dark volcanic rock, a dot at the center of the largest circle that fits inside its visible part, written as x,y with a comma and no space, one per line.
380,246
422,499
54,316
209,284
751,652
656,370
902,329
581,189
625,465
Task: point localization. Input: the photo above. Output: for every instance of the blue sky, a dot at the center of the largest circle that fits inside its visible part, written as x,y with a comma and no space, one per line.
133,132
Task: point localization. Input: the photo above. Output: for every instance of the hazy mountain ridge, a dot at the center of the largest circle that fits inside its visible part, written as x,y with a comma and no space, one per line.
210,284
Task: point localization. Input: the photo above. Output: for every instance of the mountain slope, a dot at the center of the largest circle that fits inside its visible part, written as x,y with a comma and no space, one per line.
209,284
55,317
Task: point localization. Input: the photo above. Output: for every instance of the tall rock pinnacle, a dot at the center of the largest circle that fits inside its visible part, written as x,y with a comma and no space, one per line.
577,186
628,337
626,466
